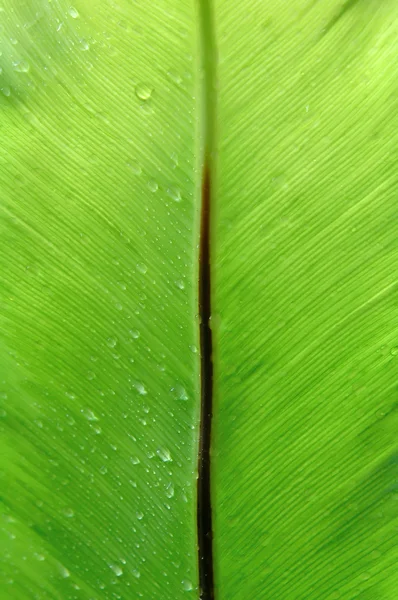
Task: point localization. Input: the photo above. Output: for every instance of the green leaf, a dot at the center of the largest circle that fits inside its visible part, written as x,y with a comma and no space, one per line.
99,330
107,111
305,301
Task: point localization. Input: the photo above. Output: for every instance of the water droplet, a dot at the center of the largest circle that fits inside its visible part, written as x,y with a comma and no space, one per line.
394,351
142,268
134,333
193,349
135,460
89,414
117,570
90,375
180,284
174,158
103,470
39,557
164,454
136,573
6,91
170,490
64,572
140,389
111,342
134,167
139,515
73,13
69,513
181,393
84,45
174,193
187,585
21,66
175,77
152,185
143,91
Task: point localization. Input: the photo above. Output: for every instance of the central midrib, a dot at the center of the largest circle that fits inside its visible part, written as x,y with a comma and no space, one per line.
208,101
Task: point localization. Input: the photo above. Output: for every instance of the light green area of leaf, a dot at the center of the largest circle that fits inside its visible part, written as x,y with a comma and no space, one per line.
99,151
102,114
305,298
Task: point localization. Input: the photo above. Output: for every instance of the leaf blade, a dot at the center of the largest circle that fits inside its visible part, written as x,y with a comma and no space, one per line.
99,262
305,300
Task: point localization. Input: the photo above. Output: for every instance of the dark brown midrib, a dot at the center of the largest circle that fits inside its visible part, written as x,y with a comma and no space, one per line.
204,512
207,78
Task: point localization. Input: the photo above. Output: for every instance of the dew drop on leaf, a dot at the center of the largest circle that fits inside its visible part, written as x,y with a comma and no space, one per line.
21,66
152,185
134,167
89,414
179,392
170,490
39,557
65,573
174,193
73,13
136,573
175,77
187,585
117,570
140,389
111,342
142,268
164,454
143,91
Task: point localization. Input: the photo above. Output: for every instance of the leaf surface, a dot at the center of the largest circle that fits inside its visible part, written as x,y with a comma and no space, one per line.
305,301
105,111
99,335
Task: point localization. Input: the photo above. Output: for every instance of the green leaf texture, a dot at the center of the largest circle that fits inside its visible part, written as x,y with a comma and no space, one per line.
99,357
306,301
103,109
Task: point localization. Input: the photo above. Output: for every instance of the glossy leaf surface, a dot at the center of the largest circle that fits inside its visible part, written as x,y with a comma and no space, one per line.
104,113
305,286
99,335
